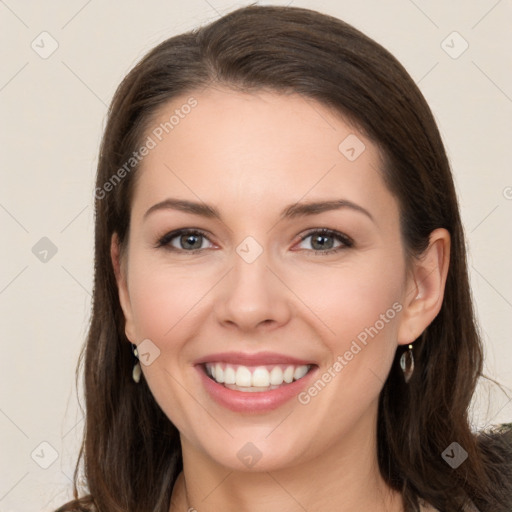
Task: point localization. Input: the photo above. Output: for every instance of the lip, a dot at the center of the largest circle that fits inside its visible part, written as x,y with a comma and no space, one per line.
257,402
256,359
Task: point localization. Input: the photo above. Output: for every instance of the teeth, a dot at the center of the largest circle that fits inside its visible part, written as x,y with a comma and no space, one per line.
219,373
288,374
276,376
299,372
261,377
229,375
255,377
243,376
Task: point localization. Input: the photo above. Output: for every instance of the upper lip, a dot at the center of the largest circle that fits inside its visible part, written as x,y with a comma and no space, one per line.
245,359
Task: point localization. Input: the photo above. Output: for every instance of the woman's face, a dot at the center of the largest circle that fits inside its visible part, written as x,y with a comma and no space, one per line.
250,294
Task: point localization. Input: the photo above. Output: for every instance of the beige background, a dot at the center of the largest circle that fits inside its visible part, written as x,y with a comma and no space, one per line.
53,112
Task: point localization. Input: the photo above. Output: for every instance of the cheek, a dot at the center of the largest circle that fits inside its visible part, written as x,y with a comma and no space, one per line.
165,306
361,307
343,303
350,301
350,312
163,298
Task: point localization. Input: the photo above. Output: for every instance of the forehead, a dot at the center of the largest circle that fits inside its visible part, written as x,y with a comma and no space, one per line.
269,148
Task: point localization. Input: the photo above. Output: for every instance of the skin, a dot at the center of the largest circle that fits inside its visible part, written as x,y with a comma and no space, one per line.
250,156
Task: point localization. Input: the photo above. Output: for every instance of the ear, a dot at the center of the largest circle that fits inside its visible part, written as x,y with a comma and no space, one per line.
119,264
425,287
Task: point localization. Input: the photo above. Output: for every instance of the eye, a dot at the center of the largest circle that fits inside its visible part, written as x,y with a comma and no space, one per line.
187,240
192,241
323,240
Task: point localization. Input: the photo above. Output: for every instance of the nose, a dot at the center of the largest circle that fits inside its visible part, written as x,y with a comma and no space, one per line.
253,295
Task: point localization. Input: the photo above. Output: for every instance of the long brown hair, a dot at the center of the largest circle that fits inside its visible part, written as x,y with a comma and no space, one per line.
131,451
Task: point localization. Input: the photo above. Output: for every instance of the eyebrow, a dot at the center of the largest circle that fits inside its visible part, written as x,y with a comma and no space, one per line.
292,211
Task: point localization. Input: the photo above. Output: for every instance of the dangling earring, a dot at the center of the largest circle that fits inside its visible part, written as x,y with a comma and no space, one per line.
407,363
136,372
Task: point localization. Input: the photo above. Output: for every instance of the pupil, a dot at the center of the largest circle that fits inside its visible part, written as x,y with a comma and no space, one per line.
190,239
322,243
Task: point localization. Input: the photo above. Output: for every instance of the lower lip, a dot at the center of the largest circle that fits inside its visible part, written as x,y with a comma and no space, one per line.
259,401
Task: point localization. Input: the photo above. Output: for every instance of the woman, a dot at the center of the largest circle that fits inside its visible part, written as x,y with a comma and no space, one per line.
315,347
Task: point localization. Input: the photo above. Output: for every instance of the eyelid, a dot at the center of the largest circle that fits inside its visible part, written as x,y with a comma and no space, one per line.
345,239
326,231
164,241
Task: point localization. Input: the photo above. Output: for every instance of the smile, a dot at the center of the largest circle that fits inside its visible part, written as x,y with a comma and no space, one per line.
254,383
255,378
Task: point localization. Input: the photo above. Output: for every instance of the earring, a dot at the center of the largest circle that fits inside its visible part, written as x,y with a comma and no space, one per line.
136,372
407,363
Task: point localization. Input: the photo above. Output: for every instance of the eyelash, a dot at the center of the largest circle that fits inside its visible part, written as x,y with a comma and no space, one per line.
347,242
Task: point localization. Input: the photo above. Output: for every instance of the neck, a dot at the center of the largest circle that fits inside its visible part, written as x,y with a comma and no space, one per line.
345,478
